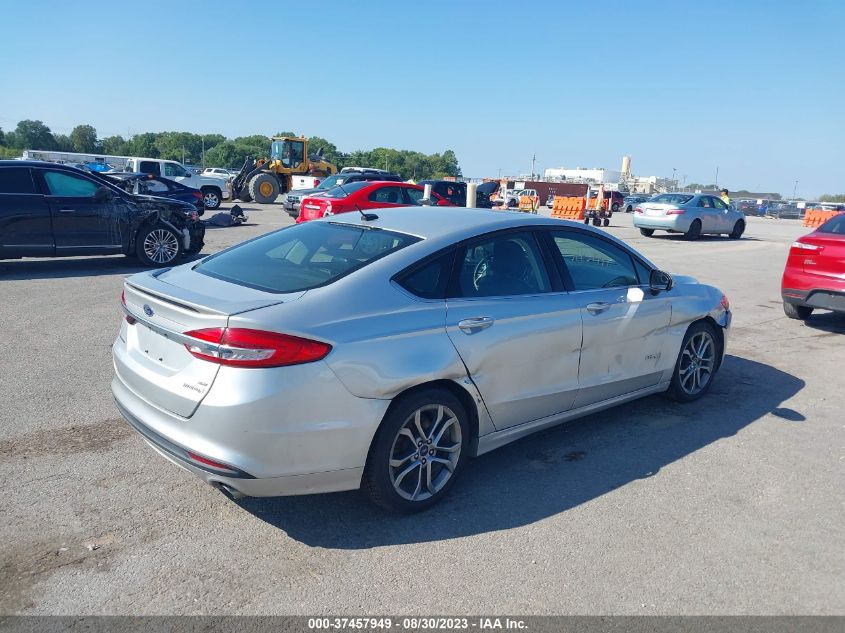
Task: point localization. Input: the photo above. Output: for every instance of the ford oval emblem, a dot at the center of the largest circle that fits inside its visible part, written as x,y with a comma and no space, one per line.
148,310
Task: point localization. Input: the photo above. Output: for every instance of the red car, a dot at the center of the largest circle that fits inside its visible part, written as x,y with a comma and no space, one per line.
814,276
364,195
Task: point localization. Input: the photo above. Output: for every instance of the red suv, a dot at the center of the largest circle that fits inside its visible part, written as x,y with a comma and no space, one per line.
814,276
361,196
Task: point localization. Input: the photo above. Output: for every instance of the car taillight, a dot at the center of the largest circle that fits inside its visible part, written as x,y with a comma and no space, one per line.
197,195
209,462
674,211
328,210
726,305
241,347
805,247
638,209
130,320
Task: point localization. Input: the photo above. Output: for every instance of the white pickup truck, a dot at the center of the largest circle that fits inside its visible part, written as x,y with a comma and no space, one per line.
213,189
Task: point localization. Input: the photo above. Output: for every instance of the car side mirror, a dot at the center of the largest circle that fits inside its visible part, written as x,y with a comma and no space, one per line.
658,281
103,194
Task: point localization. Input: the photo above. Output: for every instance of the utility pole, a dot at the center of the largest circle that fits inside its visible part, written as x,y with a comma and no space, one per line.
794,189
203,151
717,176
533,160
674,184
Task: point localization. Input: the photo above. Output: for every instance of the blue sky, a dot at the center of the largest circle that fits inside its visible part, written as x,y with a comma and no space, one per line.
755,88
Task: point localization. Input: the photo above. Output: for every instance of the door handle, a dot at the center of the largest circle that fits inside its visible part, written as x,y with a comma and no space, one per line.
67,210
475,324
597,307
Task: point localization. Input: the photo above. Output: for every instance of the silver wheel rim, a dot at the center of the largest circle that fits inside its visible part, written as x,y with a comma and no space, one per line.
697,362
425,452
161,246
210,199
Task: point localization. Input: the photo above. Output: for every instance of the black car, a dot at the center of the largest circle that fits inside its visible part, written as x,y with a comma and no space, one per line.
150,185
51,210
456,192
293,199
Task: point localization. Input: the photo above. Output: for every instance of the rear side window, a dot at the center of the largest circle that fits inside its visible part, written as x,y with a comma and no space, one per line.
344,190
835,225
68,185
150,167
387,195
593,263
672,198
430,280
303,256
16,180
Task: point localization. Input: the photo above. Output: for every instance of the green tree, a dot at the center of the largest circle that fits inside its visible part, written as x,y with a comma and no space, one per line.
2,137
832,197
83,138
330,153
32,135
143,145
63,143
114,146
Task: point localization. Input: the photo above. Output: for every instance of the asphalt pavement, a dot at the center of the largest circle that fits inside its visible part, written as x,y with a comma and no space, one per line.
731,505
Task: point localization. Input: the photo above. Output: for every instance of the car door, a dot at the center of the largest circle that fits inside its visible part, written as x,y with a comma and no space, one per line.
724,215
516,331
625,325
82,222
25,226
387,196
706,210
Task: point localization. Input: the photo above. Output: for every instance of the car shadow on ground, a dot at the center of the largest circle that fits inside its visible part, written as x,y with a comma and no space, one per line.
550,472
832,322
680,237
58,267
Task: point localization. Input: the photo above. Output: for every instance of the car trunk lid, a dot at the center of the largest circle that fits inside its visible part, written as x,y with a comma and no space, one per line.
165,306
828,257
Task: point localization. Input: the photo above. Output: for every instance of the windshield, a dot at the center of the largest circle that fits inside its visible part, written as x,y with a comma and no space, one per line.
303,256
333,181
345,190
672,198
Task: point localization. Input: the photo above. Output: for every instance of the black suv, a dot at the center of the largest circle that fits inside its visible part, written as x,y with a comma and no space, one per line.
294,198
51,210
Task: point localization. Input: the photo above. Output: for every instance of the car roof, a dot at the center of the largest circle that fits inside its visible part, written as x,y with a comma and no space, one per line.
455,223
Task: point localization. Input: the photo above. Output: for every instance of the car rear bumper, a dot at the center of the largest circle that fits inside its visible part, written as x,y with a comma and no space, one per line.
301,440
823,299
678,223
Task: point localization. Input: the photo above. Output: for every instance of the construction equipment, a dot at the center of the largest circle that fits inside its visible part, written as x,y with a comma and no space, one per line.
262,180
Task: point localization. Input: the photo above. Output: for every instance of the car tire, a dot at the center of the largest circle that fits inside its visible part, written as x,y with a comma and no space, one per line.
646,232
596,221
264,188
800,313
386,476
694,231
629,209
739,229
697,363
614,207
158,245
211,197
606,222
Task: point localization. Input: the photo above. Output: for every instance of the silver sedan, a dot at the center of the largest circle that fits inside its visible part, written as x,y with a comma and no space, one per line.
692,214
381,351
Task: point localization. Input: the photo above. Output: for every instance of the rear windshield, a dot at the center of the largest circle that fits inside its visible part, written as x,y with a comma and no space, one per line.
672,198
342,192
333,181
836,225
303,256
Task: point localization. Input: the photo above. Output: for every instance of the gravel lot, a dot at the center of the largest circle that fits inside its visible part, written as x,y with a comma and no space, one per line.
731,505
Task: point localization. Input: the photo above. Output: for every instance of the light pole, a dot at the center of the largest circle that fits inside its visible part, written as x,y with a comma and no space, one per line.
674,184
794,189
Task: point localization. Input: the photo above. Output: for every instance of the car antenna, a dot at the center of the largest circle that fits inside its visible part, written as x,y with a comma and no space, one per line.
366,216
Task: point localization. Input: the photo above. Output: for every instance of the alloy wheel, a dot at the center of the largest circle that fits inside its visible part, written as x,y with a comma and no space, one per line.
211,200
425,452
161,246
697,363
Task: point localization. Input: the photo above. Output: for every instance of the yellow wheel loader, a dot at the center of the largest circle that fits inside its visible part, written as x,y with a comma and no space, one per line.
262,180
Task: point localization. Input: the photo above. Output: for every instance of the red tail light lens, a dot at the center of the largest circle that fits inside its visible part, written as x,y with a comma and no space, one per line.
726,305
130,320
210,462
674,211
638,209
197,195
241,347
